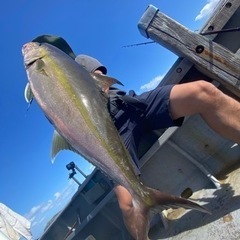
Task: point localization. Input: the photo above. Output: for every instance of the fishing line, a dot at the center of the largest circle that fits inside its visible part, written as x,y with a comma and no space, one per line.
138,44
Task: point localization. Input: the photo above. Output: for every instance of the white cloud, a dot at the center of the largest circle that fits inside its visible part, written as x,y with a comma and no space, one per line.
207,9
34,210
32,219
42,220
67,192
57,195
40,215
152,84
47,206
33,223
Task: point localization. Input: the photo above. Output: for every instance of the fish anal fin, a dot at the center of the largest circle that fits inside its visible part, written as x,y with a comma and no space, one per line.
165,200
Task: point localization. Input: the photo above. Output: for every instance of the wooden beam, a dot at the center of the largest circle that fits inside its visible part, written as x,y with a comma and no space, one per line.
210,58
221,16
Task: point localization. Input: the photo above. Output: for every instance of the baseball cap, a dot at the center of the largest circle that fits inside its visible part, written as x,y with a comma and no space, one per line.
90,64
56,41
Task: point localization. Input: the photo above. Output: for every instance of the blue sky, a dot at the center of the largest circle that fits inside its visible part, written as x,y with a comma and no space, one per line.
30,184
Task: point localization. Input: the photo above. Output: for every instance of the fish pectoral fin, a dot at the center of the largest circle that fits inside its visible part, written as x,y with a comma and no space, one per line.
28,94
104,82
58,144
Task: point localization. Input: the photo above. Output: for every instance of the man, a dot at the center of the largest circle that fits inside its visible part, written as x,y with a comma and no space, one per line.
165,107
161,107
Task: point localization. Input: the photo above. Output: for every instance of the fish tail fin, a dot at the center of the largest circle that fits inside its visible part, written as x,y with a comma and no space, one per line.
165,200
138,220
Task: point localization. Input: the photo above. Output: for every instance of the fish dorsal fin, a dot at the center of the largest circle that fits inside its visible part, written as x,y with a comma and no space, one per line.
58,144
104,82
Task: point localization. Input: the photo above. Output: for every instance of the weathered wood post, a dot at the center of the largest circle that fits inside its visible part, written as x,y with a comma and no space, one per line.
212,59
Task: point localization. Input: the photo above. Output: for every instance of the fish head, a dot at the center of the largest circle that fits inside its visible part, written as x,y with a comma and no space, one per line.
32,52
42,62
33,55
36,59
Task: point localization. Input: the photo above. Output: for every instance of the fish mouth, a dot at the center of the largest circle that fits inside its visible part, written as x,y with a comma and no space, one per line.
30,54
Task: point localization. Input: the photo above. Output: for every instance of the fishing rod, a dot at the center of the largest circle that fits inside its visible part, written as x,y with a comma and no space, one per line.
203,34
221,31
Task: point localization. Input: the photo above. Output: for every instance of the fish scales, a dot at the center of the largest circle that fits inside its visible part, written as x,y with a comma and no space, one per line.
73,102
89,112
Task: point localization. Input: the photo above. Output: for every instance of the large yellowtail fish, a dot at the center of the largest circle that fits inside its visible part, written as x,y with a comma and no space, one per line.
73,101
